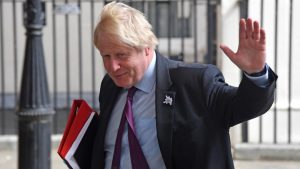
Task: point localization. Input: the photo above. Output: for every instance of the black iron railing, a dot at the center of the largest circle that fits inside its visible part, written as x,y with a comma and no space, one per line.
74,66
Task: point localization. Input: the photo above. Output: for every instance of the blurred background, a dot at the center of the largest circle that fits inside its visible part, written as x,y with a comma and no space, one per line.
188,30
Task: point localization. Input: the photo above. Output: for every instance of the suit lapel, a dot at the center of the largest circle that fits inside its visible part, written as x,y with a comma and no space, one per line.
165,101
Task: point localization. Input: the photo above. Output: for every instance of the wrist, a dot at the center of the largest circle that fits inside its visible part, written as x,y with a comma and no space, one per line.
257,74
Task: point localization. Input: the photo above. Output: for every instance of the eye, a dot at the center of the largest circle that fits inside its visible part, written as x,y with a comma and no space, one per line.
122,56
105,57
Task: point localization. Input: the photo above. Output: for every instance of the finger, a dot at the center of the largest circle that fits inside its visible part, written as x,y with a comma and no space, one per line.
262,37
249,28
243,34
228,52
256,32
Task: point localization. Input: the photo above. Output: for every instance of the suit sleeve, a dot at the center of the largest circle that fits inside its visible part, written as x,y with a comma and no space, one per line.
230,105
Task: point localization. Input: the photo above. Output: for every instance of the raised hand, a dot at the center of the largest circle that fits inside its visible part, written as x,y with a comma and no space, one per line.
251,54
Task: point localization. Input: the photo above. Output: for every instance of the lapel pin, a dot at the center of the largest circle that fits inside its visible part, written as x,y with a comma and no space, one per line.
168,100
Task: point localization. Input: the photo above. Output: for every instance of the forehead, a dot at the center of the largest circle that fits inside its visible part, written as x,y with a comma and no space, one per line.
108,44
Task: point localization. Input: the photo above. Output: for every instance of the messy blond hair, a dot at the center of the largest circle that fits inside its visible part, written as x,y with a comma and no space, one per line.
127,25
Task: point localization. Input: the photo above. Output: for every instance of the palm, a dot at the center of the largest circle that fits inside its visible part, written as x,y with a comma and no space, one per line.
251,54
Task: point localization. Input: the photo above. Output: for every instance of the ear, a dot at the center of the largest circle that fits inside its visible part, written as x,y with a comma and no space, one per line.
148,51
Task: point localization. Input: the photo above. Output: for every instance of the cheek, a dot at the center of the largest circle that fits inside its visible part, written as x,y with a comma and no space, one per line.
107,65
139,71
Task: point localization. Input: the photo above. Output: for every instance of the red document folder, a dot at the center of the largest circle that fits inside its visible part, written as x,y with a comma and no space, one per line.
77,141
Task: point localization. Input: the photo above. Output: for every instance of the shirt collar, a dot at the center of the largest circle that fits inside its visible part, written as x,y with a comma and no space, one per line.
148,81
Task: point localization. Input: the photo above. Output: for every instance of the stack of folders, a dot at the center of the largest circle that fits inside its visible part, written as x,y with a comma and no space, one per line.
76,145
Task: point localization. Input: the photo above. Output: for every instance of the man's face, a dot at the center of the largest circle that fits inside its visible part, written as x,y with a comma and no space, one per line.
124,64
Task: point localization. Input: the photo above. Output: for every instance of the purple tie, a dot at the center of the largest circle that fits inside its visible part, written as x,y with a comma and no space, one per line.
138,160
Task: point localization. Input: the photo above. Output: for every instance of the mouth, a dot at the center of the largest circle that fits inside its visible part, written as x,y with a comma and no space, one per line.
120,75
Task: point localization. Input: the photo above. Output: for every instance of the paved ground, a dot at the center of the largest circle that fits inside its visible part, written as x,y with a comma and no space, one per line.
267,165
8,160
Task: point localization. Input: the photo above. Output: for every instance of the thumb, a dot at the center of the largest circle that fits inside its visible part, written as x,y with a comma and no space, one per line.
228,52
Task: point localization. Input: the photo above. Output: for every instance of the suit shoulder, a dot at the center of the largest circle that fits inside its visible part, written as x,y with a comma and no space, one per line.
183,68
107,87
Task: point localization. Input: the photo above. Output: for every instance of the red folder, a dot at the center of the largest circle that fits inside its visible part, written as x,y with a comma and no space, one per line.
77,141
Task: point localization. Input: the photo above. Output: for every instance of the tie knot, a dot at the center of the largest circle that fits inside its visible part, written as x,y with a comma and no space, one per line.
131,92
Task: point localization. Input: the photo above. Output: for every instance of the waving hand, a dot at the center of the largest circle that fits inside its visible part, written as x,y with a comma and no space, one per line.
251,54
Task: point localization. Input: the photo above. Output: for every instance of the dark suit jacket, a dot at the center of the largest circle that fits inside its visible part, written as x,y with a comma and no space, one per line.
193,132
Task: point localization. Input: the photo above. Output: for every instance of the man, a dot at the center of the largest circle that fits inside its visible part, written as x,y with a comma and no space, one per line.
181,112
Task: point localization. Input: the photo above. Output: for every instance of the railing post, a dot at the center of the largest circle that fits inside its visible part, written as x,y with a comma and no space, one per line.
35,112
244,14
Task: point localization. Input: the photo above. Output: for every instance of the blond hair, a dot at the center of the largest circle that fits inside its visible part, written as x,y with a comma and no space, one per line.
127,25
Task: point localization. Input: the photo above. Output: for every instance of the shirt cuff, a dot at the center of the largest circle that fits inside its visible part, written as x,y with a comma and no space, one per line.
260,79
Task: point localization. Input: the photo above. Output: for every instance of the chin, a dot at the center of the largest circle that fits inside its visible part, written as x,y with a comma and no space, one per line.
124,85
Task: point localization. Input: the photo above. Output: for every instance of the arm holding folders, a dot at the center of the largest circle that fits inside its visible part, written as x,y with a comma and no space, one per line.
76,144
